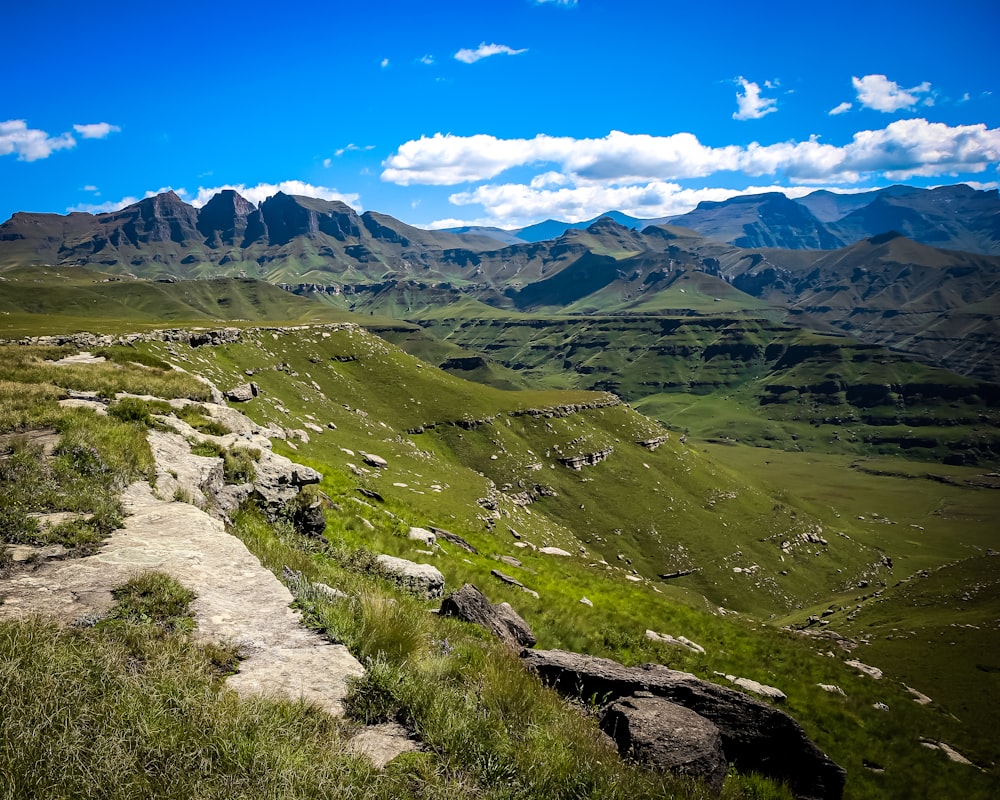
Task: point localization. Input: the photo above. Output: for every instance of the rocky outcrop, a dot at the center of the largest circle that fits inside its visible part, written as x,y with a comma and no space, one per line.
666,736
586,459
755,736
423,580
279,480
471,605
454,539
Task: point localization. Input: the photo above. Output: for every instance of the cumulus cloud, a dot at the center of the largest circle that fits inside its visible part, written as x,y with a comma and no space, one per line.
517,205
749,103
881,94
255,194
385,63
840,109
905,148
566,3
446,160
467,56
426,59
30,144
96,130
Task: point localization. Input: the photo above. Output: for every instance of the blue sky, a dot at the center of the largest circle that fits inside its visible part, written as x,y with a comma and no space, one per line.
501,113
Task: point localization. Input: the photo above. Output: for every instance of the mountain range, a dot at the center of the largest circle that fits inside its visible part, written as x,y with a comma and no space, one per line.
749,254
953,217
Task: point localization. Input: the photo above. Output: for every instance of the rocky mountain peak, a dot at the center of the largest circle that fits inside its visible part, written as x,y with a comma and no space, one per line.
229,219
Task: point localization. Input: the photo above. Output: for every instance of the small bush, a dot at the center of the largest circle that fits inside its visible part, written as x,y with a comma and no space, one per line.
131,409
238,464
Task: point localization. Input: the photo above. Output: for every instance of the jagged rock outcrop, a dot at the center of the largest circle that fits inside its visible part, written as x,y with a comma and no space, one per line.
586,459
471,605
228,219
666,736
279,480
755,736
424,580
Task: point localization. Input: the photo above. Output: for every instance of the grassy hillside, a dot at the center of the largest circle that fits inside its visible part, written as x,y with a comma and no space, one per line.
774,536
46,300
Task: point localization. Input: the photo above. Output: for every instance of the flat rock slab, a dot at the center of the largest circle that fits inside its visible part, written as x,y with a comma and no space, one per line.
238,601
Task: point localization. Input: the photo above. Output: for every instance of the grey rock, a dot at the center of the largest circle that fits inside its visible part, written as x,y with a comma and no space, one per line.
471,605
668,737
755,736
420,579
279,480
242,393
373,460
454,539
309,519
421,535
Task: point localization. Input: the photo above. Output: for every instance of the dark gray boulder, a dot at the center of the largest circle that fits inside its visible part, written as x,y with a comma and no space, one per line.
309,519
471,605
755,736
668,737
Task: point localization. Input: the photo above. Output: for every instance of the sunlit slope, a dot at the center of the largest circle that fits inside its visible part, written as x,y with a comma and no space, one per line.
44,300
563,469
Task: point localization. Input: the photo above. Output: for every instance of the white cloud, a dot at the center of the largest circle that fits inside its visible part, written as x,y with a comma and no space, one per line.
517,205
96,130
881,94
567,3
840,109
352,148
259,193
426,59
904,148
445,159
385,63
750,105
467,56
30,144
91,188
255,194
327,162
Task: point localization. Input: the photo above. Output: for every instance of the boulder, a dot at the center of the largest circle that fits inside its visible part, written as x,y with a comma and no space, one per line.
554,551
421,535
242,393
420,579
756,737
278,479
667,737
309,519
373,460
471,605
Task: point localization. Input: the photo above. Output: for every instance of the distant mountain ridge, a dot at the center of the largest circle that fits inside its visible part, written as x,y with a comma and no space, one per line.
953,217
935,303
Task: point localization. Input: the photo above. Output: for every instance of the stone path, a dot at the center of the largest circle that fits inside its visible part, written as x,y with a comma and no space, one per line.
238,601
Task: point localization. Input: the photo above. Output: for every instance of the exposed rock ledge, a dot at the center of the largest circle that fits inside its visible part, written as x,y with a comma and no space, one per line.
755,736
196,337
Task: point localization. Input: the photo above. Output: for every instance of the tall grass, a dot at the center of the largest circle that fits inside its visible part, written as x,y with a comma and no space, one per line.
479,712
33,365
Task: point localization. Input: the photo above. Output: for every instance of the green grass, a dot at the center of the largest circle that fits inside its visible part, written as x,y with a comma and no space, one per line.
714,507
